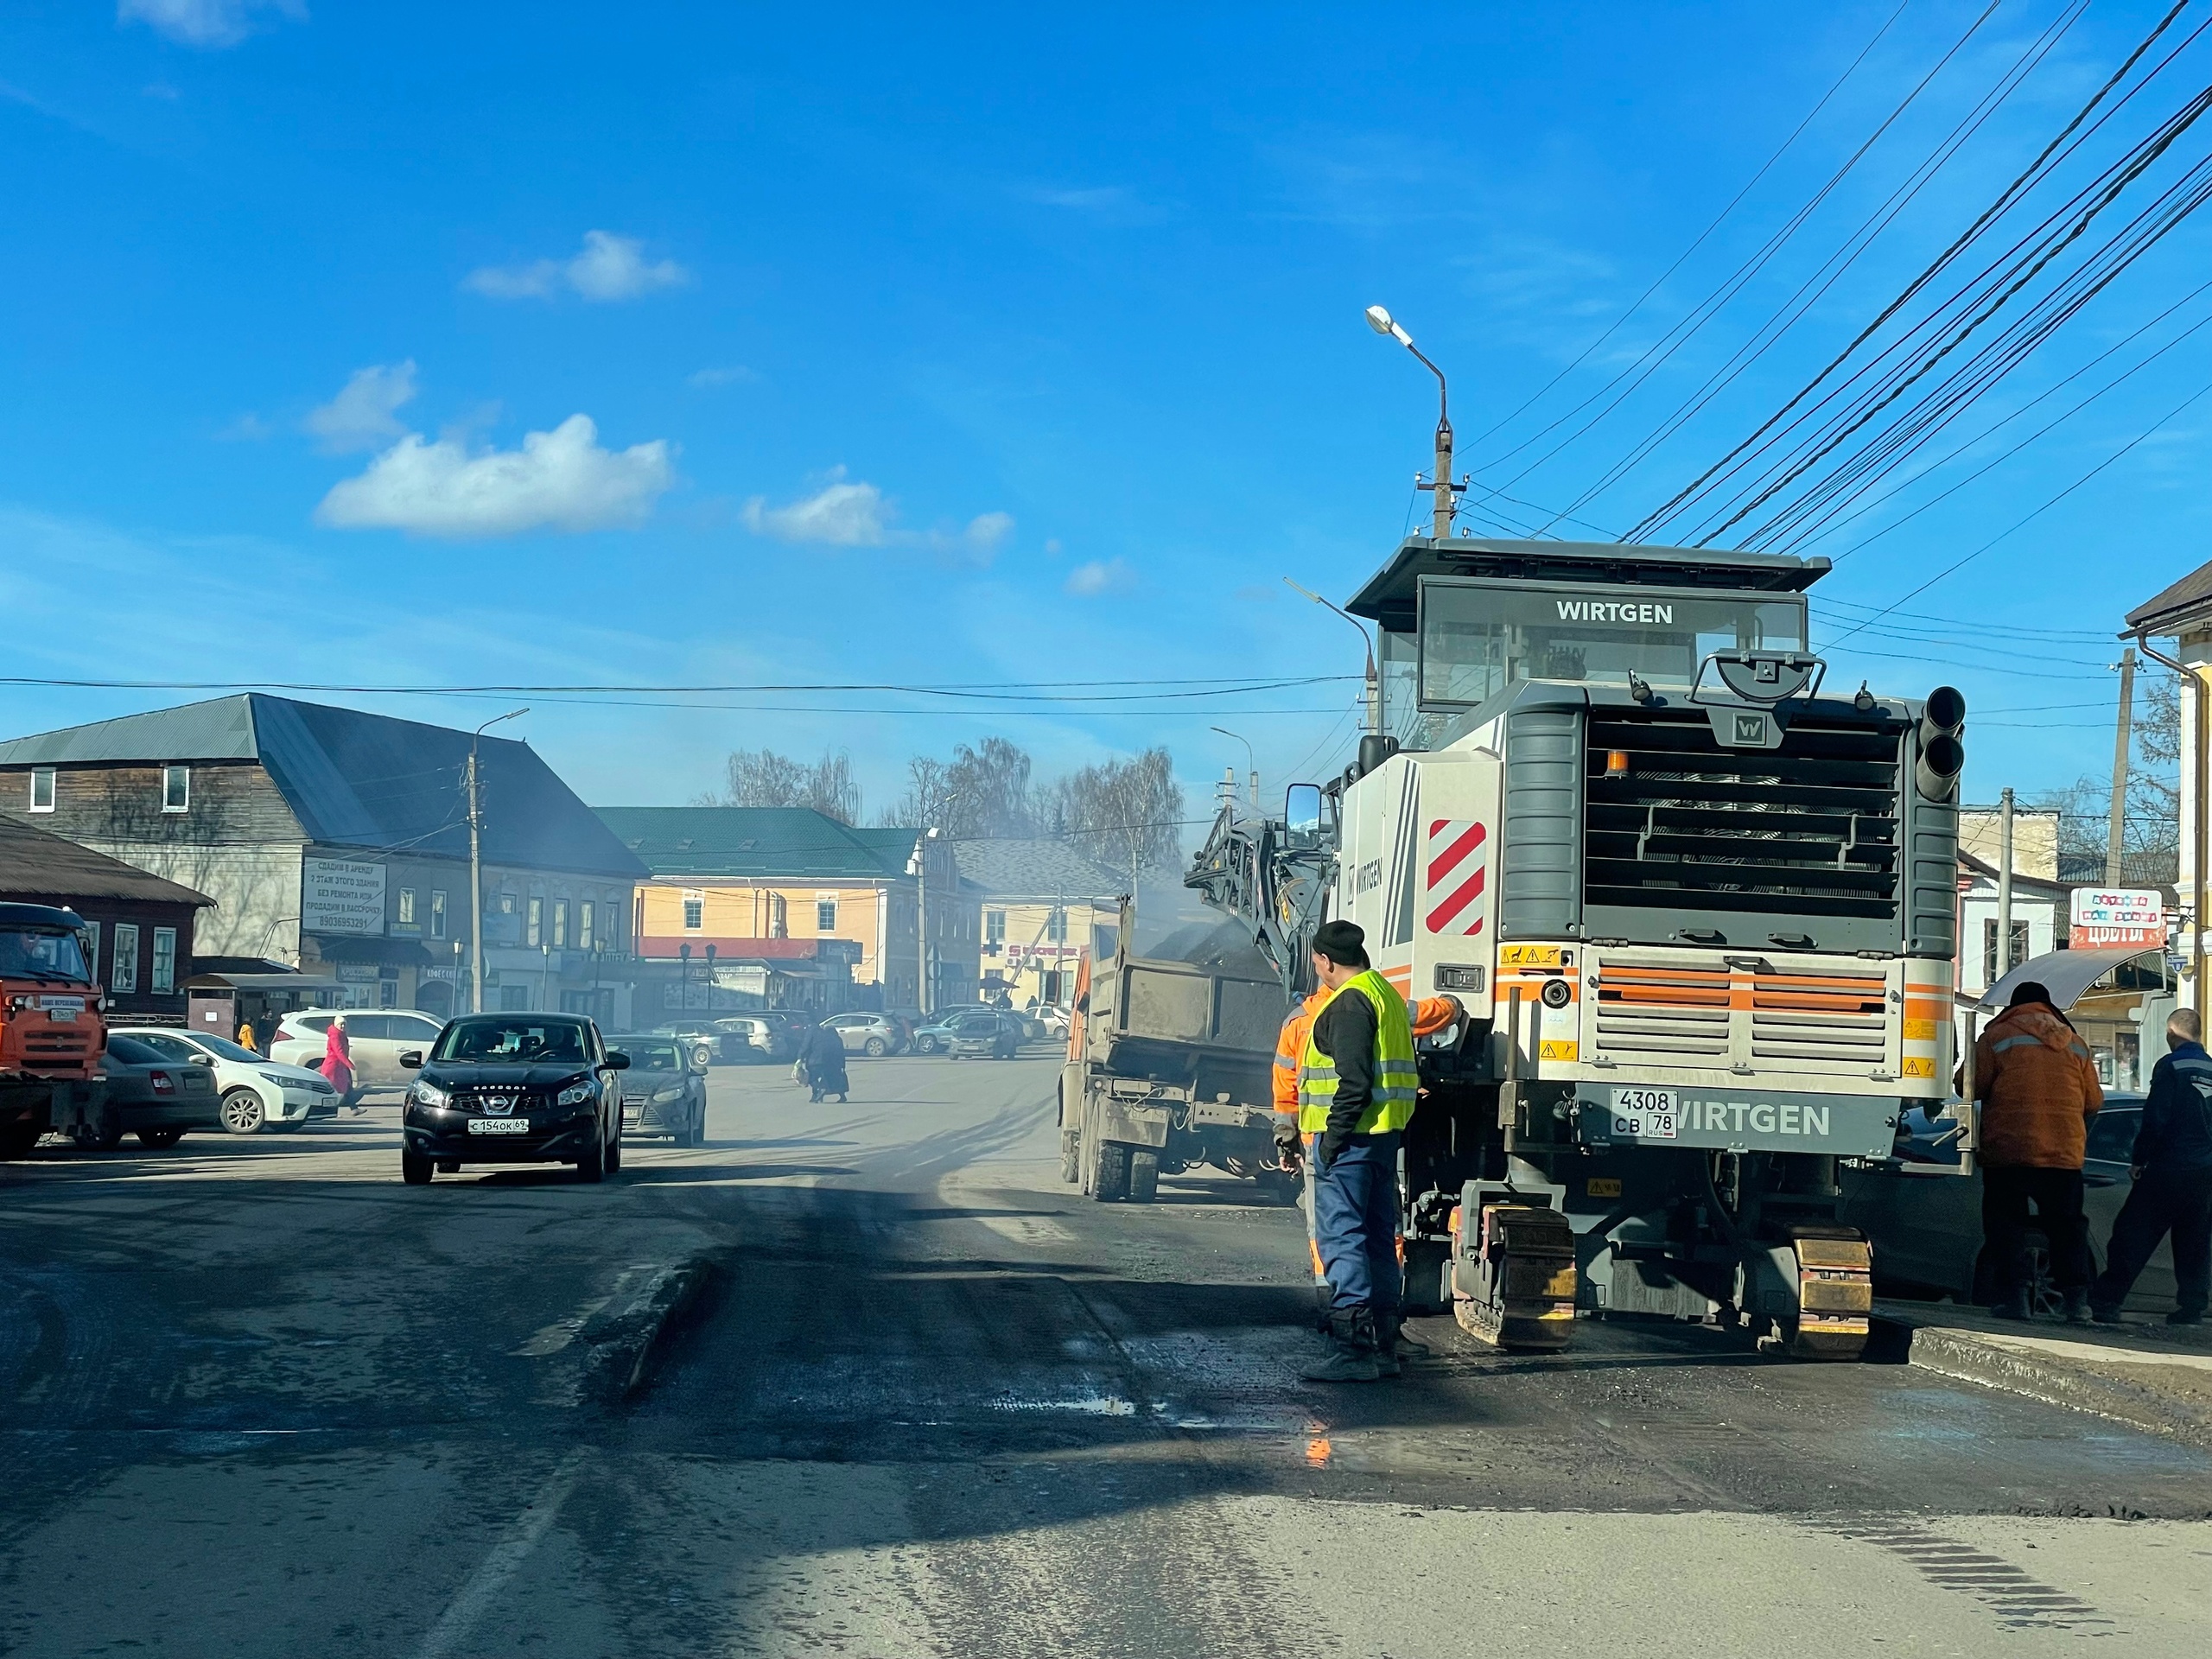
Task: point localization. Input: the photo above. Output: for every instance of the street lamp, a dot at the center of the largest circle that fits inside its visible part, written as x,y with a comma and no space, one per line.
1374,684
918,867
1249,761
476,866
1380,321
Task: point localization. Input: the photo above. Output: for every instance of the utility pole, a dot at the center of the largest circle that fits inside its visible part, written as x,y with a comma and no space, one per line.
476,866
2005,885
2116,832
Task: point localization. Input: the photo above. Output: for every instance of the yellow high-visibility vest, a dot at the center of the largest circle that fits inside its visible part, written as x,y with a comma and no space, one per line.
1397,1075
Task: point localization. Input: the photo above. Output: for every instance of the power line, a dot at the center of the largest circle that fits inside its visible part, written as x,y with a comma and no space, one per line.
1959,565
1212,688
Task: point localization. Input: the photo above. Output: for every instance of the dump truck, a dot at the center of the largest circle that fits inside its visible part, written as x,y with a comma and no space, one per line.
1169,1066
52,1033
1701,910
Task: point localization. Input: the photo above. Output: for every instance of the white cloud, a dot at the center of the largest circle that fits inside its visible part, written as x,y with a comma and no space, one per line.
838,515
1100,576
363,415
736,375
843,514
609,268
204,23
560,479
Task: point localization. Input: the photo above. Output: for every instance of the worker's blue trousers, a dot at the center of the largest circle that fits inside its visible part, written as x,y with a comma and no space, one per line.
1356,1224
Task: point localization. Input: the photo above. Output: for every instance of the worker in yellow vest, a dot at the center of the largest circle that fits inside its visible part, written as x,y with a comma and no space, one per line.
1357,1084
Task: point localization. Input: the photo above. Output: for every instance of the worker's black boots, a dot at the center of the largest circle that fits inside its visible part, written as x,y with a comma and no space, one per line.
1351,1356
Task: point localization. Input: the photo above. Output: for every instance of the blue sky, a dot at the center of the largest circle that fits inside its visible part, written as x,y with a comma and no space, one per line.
396,343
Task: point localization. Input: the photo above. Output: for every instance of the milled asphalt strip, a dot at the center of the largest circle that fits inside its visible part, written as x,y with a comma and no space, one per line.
467,1610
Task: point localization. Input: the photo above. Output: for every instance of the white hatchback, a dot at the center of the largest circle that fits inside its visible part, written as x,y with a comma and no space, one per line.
257,1092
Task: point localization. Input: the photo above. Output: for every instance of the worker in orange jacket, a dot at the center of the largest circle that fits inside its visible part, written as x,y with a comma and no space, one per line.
1430,1015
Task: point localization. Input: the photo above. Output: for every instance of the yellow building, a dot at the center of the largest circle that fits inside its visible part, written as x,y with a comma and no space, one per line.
1044,909
754,882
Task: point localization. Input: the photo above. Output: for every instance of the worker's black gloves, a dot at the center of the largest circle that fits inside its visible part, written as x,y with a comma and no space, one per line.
1326,1150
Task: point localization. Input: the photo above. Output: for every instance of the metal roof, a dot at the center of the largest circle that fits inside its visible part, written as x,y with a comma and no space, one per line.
358,779
34,861
762,842
2187,601
2067,973
1034,868
1389,594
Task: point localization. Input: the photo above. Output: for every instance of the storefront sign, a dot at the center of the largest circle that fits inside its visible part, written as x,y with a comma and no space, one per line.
2102,918
340,896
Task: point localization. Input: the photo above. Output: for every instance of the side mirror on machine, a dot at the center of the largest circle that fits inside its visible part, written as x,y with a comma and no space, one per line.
1301,810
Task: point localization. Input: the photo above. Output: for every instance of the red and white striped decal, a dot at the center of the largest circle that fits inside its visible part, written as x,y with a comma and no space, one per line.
1456,870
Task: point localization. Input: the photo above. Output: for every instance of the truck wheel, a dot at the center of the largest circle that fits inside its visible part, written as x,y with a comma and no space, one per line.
243,1112
1071,1155
159,1139
1144,1176
1111,1183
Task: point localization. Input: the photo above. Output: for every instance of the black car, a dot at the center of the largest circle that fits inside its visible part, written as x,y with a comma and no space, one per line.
664,1092
514,1089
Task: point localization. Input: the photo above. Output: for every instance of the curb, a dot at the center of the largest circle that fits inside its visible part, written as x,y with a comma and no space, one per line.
627,1344
2138,1401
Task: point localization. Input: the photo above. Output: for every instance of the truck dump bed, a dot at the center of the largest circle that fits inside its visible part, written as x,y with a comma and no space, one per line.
1180,1022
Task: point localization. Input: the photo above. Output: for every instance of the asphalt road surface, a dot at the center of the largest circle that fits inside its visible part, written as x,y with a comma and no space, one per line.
263,1400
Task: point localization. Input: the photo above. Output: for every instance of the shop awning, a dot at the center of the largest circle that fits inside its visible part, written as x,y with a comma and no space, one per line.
2068,974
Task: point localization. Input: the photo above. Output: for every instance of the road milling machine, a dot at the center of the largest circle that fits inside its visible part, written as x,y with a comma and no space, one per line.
1699,910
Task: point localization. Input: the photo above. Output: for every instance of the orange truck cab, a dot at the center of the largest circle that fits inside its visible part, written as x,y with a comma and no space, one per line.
52,1034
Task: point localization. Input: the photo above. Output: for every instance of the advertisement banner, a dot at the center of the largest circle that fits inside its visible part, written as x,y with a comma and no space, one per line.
340,895
2104,917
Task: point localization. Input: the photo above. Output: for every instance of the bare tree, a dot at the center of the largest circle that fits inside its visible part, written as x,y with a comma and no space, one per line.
981,791
763,778
1127,814
2151,821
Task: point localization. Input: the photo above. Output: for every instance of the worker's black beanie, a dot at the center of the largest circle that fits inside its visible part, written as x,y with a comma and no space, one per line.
1342,942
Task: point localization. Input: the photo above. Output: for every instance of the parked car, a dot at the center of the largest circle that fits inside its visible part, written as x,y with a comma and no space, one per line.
934,1034
1055,1021
789,1023
750,1040
664,1092
514,1089
254,1092
153,1096
867,1034
1925,1225
375,1038
985,1035
716,1044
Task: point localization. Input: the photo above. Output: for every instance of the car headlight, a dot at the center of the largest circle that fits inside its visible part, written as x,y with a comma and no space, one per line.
662,1097
283,1082
424,1092
575,1095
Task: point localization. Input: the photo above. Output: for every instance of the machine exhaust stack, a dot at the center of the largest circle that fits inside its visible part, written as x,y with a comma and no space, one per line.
1942,756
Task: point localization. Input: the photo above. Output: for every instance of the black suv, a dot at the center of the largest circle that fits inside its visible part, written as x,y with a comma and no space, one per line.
514,1089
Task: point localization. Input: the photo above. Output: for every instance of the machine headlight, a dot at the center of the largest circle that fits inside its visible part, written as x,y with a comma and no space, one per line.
424,1092
575,1095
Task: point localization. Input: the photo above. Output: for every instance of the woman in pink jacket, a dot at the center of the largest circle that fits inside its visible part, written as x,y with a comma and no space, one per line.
338,1061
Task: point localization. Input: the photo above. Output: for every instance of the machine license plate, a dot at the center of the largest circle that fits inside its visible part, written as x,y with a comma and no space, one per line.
1646,1114
498,1126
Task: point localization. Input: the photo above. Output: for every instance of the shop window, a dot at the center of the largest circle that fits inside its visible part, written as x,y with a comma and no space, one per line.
164,980
41,789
